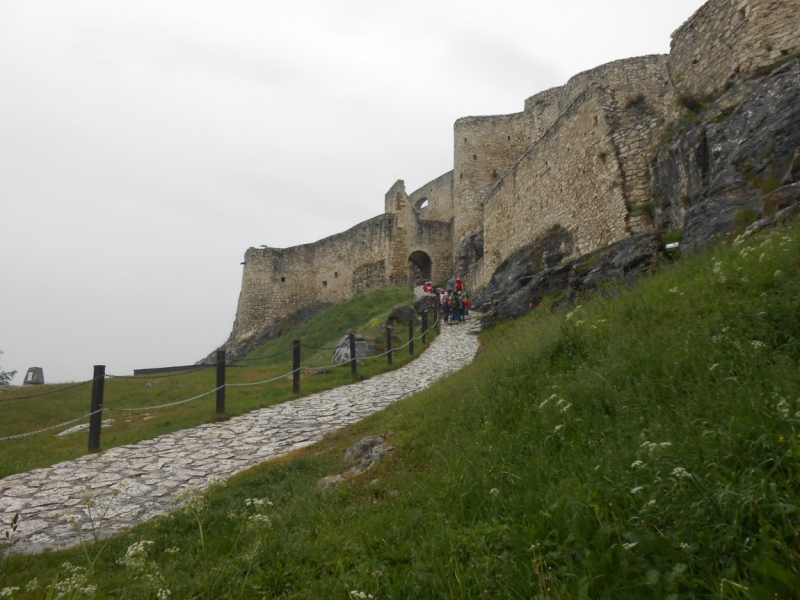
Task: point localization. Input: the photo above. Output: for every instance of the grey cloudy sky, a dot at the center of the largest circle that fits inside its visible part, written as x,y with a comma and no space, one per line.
144,146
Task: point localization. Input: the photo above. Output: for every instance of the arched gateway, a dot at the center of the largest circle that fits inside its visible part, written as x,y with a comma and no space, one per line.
420,268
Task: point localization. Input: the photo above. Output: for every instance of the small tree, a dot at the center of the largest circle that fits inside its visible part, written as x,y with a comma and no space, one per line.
6,376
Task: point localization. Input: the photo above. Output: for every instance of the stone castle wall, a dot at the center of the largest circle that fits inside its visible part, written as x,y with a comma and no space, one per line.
279,281
439,194
577,157
727,40
564,180
485,149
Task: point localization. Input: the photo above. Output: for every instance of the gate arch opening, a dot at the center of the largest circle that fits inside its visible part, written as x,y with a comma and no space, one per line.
420,267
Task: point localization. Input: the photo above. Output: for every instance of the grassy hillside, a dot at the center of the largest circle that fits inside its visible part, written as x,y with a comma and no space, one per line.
644,447
363,314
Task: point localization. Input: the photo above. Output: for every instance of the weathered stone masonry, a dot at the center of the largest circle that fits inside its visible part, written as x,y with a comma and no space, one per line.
578,157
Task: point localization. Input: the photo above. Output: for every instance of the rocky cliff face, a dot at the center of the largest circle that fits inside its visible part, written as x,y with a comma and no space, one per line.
725,164
733,161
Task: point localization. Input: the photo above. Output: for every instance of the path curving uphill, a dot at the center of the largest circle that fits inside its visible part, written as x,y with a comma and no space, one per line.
132,484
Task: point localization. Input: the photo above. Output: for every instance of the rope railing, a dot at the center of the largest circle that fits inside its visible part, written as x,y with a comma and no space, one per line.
219,389
265,357
143,408
64,389
261,382
60,425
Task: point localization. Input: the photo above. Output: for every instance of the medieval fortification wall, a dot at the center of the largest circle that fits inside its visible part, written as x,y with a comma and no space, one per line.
577,157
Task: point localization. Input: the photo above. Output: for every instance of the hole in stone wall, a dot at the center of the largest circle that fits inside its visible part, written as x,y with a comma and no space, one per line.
324,284
509,138
283,278
474,157
595,120
335,274
494,173
424,203
742,14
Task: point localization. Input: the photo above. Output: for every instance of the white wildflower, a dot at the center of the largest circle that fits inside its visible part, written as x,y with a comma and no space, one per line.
566,408
581,322
637,489
762,257
255,502
777,273
163,594
651,503
360,595
558,428
259,519
681,473
674,290
783,407
172,550
758,345
136,556
637,464
685,546
560,402
8,592
714,366
494,491
630,546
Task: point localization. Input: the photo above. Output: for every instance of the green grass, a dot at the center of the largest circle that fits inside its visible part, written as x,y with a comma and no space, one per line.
641,447
20,416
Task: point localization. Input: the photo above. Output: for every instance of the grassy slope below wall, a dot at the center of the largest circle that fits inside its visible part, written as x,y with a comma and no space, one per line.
640,448
19,416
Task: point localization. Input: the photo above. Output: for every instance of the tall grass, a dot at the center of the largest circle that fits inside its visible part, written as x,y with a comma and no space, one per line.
643,446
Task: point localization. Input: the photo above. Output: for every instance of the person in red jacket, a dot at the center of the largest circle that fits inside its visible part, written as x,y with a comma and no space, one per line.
459,284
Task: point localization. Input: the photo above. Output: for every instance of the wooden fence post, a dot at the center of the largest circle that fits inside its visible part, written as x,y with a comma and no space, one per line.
296,368
411,337
220,382
389,343
96,420
353,361
424,326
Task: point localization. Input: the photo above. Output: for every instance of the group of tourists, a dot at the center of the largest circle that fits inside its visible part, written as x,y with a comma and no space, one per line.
454,302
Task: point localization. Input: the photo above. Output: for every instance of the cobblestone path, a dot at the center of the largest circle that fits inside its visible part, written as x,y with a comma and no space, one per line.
137,482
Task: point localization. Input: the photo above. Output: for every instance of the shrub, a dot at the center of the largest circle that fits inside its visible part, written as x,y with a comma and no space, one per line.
745,217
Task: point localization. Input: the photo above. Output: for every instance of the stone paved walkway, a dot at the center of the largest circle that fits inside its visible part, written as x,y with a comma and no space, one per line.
148,476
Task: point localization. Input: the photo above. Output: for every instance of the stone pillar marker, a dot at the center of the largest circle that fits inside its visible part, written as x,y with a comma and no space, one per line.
34,376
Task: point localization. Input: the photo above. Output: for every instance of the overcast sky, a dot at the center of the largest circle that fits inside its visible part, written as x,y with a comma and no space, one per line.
144,146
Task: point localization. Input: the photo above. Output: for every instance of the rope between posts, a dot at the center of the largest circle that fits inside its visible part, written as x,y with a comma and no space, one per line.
265,357
164,405
50,392
262,382
24,435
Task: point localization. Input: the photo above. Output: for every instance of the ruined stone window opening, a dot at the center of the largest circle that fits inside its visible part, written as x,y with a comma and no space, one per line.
494,173
335,274
421,203
283,279
474,157
742,14
324,284
509,138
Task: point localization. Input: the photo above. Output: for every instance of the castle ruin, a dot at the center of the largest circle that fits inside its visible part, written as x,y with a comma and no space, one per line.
577,157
